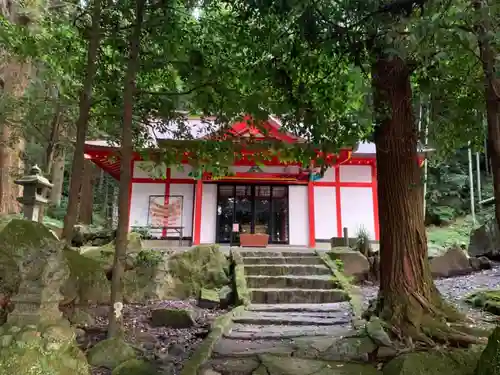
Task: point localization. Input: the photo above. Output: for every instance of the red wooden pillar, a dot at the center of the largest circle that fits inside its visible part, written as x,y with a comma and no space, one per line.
338,202
375,201
310,205
166,200
197,212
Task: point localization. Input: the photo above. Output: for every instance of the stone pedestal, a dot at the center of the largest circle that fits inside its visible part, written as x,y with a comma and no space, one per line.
43,273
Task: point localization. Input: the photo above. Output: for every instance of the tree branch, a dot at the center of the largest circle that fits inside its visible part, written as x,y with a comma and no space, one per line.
177,93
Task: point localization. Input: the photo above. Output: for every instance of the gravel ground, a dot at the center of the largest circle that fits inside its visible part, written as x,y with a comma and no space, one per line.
167,348
454,289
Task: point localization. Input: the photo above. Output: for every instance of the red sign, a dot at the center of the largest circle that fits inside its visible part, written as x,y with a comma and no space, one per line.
236,227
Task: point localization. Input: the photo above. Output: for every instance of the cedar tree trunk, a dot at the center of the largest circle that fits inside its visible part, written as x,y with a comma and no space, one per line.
408,299
58,176
86,206
492,96
83,122
126,152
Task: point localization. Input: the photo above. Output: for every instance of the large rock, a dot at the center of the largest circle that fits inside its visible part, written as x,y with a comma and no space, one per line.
481,263
354,263
201,267
149,283
172,317
485,241
135,367
489,362
105,254
110,353
488,300
445,362
18,238
83,235
87,282
39,350
452,263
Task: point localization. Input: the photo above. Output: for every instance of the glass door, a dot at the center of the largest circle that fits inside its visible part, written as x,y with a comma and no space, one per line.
225,212
255,208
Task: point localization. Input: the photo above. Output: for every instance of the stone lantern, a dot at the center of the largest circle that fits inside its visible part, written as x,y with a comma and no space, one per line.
34,185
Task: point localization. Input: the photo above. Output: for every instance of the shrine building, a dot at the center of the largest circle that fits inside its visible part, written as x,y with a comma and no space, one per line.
291,205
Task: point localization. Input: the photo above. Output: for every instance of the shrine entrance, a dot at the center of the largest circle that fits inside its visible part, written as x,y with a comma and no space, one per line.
255,208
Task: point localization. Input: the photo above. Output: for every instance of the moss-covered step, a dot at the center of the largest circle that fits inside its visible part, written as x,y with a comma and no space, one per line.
488,300
286,269
307,282
283,332
437,362
301,307
306,259
275,295
293,318
279,254
275,365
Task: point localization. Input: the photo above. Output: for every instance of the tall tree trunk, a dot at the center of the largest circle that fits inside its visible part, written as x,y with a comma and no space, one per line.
86,206
488,56
408,299
50,152
58,176
126,152
83,122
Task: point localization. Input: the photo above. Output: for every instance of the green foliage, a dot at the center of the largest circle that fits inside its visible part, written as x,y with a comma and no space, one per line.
148,258
339,264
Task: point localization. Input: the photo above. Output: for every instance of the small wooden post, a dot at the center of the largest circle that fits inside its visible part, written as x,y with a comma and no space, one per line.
346,237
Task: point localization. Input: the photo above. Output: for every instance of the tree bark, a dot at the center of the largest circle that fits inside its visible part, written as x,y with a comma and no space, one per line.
492,96
50,152
58,176
408,299
86,206
83,122
126,152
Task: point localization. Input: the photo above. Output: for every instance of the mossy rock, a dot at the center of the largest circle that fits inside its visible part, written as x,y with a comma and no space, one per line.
439,362
489,362
174,318
209,299
32,350
200,267
277,365
87,280
110,353
105,254
17,238
488,300
135,367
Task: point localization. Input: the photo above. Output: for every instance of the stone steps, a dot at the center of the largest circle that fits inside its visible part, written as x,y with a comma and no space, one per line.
286,270
296,295
301,307
306,259
276,254
306,282
292,319
270,332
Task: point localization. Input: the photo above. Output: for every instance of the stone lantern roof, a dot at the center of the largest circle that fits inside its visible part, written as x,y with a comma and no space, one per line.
34,178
